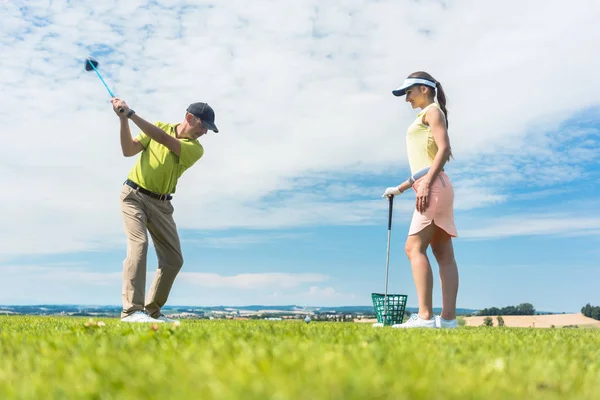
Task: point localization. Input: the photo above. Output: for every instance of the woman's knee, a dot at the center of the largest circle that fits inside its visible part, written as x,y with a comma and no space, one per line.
413,248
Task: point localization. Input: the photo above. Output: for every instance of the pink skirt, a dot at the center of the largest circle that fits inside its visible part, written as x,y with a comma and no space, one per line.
440,210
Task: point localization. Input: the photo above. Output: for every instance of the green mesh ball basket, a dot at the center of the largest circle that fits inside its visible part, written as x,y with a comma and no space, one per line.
393,307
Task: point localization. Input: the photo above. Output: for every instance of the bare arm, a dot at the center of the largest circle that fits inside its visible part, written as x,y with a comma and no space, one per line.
157,134
404,186
436,120
129,145
153,131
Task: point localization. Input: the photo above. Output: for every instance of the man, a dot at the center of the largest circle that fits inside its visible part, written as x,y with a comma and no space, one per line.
167,151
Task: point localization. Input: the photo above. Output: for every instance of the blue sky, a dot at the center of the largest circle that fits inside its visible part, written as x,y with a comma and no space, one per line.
285,206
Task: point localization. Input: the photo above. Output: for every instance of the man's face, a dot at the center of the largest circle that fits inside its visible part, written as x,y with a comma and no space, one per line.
198,128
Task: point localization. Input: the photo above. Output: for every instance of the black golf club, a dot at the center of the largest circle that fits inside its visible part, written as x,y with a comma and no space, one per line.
387,260
91,64
387,264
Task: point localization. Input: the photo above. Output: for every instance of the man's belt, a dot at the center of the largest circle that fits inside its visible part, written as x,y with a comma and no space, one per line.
147,192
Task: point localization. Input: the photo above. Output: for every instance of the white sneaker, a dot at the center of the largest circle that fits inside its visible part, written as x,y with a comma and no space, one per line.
417,322
165,319
444,323
139,316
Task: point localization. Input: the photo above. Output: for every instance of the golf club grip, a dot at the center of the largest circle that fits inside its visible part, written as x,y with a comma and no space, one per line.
390,213
121,110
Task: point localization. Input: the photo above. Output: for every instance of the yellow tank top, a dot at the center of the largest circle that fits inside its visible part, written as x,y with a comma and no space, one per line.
420,143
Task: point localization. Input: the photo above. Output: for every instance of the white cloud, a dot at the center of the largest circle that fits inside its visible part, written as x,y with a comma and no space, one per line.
327,291
76,283
314,296
301,91
83,276
469,194
64,273
244,240
532,225
250,281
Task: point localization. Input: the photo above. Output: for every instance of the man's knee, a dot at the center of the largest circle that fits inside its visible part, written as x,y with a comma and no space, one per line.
178,262
138,248
174,261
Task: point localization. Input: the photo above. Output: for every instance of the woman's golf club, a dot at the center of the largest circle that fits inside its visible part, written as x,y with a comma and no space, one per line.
387,259
387,264
91,64
416,176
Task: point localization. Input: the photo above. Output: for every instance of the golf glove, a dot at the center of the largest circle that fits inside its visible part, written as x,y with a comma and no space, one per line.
391,191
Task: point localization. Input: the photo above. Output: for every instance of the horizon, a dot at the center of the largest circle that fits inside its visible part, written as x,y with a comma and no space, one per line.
275,306
285,205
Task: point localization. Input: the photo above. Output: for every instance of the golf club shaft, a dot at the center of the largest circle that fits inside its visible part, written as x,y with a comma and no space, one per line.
417,175
387,259
387,262
121,110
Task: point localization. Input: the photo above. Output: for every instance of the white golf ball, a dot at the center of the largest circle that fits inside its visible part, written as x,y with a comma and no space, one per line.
307,320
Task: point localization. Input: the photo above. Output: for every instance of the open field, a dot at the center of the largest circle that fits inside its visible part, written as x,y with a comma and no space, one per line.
62,358
538,321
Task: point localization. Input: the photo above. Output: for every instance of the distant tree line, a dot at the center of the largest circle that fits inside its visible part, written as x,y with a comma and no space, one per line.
488,321
521,309
591,311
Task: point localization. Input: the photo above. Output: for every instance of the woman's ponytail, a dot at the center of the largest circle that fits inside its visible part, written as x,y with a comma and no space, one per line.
442,100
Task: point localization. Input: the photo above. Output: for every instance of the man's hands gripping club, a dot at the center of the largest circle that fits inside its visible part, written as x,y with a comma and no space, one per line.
118,105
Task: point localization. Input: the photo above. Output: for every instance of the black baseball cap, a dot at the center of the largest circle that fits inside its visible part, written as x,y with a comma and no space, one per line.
205,113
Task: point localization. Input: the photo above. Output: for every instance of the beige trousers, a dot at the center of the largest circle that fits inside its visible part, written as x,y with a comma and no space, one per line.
143,214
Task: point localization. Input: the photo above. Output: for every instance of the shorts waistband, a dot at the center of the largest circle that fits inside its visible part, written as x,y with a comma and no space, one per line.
140,189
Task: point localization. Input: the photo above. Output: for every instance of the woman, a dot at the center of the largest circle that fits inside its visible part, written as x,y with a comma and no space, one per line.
432,223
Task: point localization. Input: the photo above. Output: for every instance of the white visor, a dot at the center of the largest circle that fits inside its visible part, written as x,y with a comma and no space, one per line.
408,82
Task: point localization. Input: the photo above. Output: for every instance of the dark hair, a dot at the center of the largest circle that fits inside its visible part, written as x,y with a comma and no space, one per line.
440,91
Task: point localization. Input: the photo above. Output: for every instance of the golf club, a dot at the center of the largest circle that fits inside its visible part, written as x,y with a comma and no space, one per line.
91,64
387,264
416,176
387,258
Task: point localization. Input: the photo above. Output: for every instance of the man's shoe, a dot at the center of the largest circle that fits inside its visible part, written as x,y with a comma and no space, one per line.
444,323
138,316
417,322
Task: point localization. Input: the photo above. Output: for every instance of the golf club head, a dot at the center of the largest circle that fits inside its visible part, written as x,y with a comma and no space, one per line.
89,62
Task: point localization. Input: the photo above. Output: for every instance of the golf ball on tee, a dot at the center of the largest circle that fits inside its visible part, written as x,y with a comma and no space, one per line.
307,319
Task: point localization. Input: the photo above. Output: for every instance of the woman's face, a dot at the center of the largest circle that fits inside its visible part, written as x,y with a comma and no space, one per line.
416,96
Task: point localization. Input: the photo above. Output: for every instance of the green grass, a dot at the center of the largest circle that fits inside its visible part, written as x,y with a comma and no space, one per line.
61,358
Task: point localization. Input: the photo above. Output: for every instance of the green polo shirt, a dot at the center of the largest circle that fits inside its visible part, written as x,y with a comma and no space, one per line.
157,168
